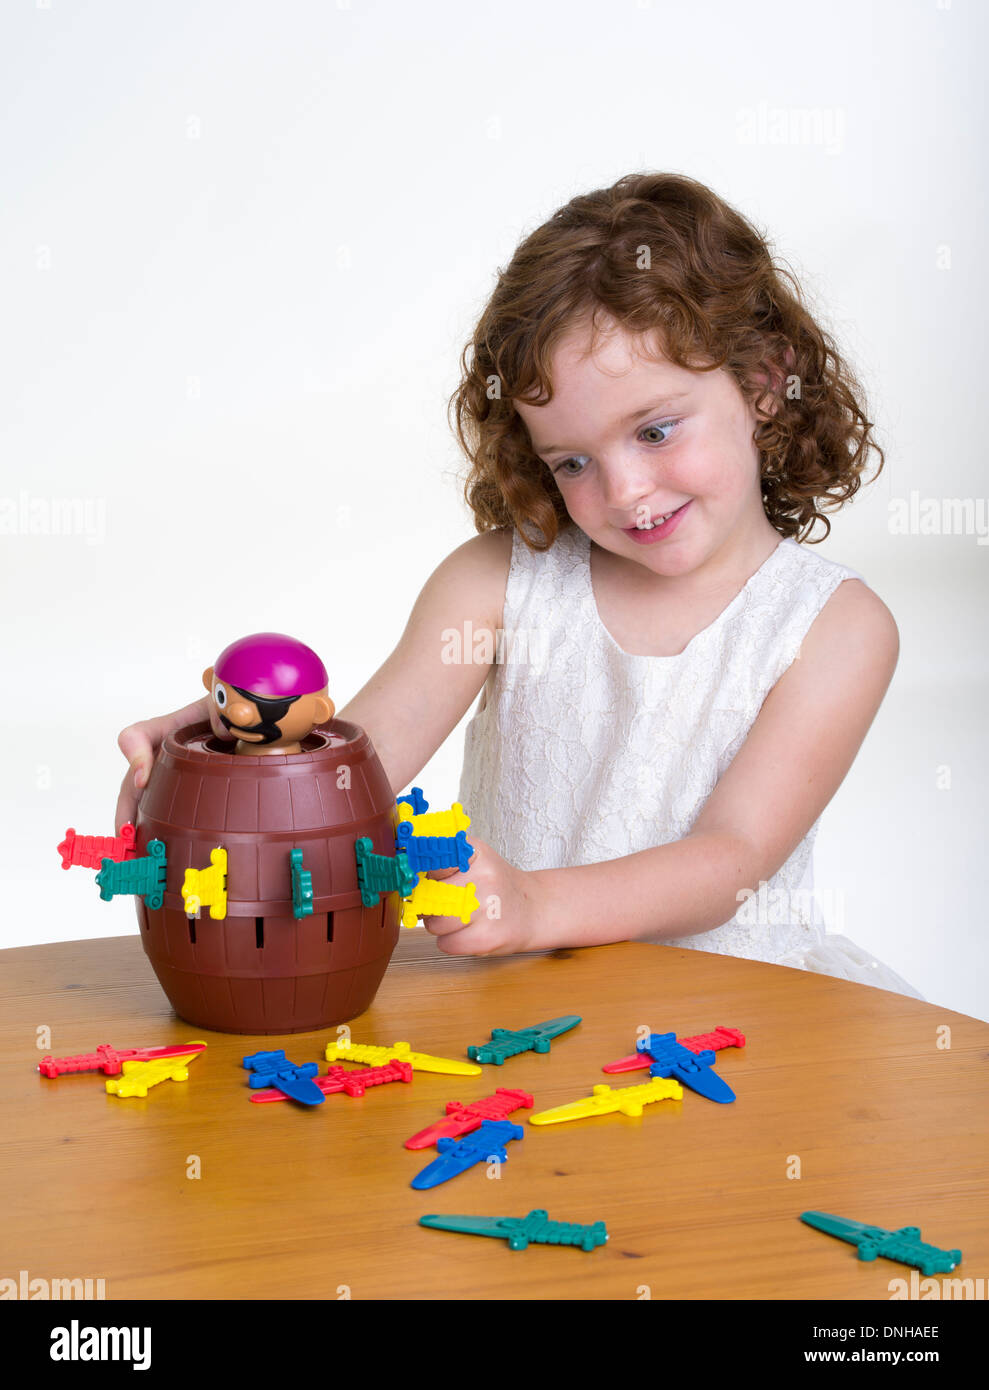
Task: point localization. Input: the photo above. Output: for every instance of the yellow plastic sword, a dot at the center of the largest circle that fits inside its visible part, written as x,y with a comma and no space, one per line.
139,1077
401,1051
626,1100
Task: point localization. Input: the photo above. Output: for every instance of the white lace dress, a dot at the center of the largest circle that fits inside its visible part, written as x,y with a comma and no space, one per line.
581,752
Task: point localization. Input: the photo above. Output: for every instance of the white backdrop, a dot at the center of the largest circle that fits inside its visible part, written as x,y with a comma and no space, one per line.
242,247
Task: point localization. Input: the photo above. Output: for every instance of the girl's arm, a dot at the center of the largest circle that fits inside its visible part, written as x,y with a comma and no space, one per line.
792,762
417,698
413,702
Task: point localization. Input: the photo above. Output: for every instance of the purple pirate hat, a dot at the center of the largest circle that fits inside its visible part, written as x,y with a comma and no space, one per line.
271,665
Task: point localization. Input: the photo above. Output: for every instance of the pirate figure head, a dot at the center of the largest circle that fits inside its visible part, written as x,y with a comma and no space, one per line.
268,691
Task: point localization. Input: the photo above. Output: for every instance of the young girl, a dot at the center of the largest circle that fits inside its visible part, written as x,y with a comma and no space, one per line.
674,686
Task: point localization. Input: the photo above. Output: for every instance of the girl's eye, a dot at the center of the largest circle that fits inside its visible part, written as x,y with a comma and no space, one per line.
569,472
582,460
660,425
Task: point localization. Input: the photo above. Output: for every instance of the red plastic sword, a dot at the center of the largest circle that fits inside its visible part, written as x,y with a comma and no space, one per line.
109,1060
464,1119
353,1083
703,1042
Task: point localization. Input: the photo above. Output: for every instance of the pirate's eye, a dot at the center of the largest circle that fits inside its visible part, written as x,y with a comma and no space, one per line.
220,696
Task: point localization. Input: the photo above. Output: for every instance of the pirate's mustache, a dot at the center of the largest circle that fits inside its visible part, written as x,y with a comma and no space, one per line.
271,711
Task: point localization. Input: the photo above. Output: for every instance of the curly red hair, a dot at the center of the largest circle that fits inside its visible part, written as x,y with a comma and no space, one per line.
659,254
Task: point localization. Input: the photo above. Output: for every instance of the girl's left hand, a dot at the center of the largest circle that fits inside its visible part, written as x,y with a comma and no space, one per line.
507,918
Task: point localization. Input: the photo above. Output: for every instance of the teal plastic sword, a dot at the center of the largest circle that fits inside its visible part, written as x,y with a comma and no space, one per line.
509,1042
521,1231
904,1245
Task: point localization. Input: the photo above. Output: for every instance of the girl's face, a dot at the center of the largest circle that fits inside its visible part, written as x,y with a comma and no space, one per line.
631,439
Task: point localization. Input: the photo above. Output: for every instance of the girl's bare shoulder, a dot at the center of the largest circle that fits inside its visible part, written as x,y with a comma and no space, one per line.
855,625
478,570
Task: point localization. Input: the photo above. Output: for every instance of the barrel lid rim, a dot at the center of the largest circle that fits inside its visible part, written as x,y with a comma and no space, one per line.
177,744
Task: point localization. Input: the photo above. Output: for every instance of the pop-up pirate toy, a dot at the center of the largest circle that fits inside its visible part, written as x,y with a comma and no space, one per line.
270,873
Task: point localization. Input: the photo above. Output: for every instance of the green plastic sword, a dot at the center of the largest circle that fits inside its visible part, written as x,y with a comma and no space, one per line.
508,1042
904,1245
520,1231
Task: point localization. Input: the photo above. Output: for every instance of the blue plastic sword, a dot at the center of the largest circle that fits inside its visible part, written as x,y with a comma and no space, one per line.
274,1069
457,1155
693,1069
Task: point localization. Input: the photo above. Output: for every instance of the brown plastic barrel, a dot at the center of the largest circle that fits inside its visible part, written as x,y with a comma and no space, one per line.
259,969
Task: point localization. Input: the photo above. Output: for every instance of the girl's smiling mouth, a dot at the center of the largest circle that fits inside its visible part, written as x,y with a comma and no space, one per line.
658,529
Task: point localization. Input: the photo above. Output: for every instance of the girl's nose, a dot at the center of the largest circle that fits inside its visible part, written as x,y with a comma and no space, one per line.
627,482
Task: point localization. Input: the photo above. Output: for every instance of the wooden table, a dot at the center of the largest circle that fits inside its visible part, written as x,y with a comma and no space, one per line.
846,1103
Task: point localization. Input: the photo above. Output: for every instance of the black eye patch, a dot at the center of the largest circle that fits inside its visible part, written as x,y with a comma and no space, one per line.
271,711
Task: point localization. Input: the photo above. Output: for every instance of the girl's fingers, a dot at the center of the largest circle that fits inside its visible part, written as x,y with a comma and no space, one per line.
442,926
126,804
472,940
443,873
137,748
453,938
140,742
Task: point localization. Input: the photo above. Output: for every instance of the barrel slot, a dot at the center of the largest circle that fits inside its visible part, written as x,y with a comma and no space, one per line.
192,930
329,926
259,932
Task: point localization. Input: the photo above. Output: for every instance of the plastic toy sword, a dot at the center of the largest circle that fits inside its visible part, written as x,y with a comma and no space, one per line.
351,1083
139,1077
398,1052
905,1245
690,1060
91,850
464,1119
626,1100
508,1042
520,1231
109,1060
274,1069
457,1155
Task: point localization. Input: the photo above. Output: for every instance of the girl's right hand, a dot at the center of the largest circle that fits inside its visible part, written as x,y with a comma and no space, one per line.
139,744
